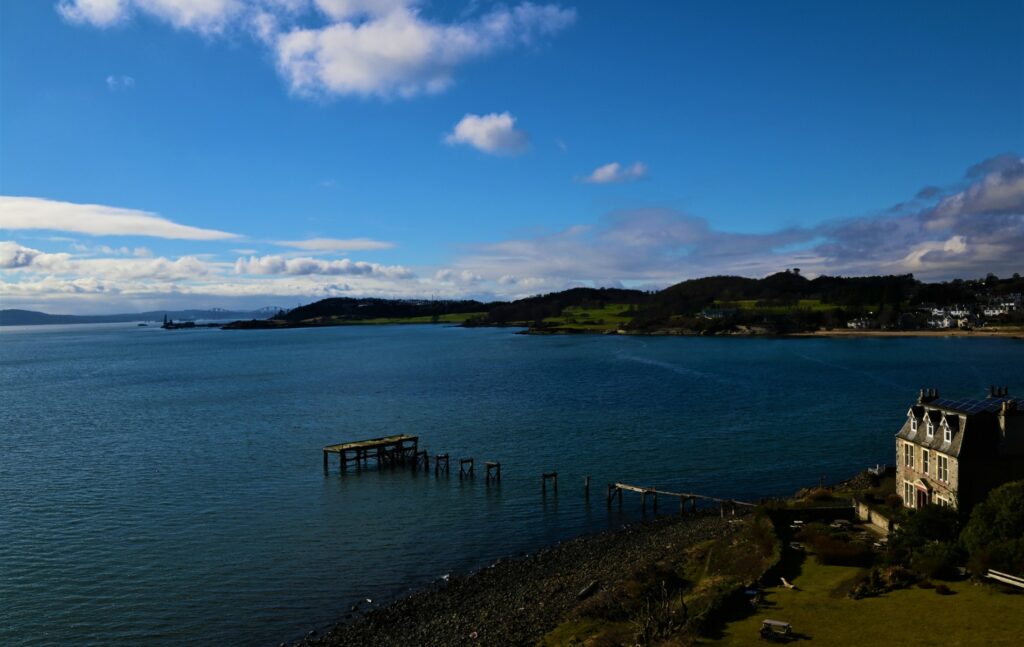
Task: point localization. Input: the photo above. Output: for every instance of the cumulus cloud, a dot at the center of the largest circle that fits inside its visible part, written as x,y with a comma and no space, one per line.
203,16
13,255
99,13
335,244
615,172
493,133
18,213
398,52
383,48
272,264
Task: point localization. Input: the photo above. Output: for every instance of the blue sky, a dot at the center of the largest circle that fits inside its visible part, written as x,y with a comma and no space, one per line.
166,153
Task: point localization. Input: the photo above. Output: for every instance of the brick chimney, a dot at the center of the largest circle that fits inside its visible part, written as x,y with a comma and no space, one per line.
927,395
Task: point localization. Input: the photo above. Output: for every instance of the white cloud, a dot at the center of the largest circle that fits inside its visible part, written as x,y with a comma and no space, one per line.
13,255
335,244
348,9
17,213
119,82
203,16
615,172
269,265
401,53
493,133
99,13
383,48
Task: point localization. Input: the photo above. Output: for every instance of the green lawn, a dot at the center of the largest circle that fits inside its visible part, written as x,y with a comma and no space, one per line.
820,611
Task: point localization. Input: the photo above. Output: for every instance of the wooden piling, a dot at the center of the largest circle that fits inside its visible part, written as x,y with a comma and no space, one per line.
440,464
496,467
463,472
325,461
544,481
586,487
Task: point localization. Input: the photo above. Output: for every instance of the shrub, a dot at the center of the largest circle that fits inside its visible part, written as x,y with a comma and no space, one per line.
819,494
897,577
994,536
894,501
836,551
925,584
935,559
942,589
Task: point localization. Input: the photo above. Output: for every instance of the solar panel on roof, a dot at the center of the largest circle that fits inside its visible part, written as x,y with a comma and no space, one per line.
971,405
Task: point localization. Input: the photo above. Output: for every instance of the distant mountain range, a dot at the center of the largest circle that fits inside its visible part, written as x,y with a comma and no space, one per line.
33,318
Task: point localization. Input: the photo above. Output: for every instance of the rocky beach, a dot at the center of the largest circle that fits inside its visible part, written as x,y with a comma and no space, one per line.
517,601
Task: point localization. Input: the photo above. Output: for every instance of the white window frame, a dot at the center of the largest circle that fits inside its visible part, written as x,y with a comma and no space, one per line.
947,435
942,468
924,461
931,428
913,424
908,455
909,494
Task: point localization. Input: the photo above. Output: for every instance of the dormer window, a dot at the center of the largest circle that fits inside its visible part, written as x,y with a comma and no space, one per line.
931,429
913,425
947,433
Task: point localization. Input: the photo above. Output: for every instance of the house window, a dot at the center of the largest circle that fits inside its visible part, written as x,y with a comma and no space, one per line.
948,435
931,429
924,460
908,455
908,494
942,468
913,425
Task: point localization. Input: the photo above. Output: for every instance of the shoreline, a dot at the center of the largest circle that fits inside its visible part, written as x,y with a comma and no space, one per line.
516,601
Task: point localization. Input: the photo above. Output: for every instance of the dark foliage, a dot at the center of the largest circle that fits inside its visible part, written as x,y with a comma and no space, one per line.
994,536
346,308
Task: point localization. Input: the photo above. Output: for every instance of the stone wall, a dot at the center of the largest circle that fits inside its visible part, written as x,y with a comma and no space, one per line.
877,519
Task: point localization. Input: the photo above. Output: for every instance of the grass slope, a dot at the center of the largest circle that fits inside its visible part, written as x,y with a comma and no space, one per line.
820,611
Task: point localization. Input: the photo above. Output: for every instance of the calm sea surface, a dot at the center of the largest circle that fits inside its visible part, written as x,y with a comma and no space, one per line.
165,487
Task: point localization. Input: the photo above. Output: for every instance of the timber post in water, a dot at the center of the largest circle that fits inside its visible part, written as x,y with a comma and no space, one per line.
424,458
463,472
544,481
388,450
586,487
496,467
439,460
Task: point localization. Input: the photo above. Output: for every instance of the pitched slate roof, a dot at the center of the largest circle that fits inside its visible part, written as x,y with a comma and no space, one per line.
959,415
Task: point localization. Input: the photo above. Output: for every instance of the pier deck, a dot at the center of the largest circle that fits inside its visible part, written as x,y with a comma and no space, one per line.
683,497
387,451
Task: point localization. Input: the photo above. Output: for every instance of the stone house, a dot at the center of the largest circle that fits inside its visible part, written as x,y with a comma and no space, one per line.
952,452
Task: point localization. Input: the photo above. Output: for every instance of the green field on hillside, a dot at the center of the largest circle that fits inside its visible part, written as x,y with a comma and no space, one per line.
820,612
609,317
456,318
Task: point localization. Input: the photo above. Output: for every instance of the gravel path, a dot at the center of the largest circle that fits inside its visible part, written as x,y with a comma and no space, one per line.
515,602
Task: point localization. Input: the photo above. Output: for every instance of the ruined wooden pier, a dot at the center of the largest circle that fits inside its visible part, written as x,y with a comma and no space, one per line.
616,489
388,451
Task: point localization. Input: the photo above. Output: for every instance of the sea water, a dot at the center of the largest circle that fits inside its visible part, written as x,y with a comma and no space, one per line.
166,487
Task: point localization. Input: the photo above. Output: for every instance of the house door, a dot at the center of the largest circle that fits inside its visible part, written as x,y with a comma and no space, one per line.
922,498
